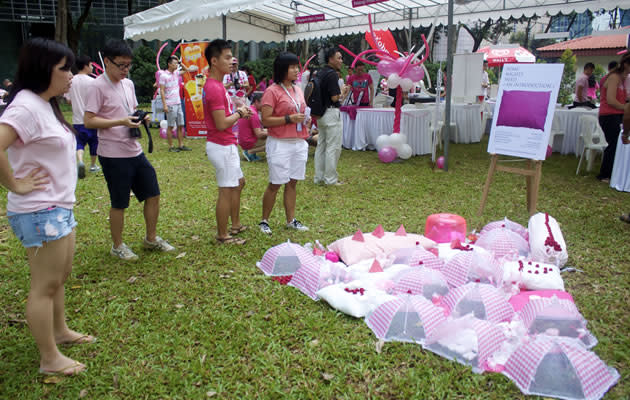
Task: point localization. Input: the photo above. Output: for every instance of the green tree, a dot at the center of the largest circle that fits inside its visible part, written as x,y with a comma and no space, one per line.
567,85
489,30
143,72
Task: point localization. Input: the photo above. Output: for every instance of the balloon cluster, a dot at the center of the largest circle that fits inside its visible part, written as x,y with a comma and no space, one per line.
398,75
391,146
164,129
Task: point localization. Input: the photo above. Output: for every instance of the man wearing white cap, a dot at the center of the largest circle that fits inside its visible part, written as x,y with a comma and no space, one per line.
236,80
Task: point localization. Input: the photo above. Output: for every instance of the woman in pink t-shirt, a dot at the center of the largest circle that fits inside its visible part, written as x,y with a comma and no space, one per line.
283,114
40,146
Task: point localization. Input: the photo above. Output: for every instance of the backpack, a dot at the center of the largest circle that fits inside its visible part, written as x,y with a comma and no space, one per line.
313,95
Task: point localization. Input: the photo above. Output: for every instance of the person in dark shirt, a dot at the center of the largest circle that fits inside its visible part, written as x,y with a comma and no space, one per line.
329,125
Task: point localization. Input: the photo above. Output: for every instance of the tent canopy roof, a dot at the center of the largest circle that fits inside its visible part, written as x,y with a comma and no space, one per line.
274,20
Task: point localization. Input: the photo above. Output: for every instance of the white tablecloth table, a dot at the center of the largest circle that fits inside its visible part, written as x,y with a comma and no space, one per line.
569,122
349,126
373,122
468,120
620,178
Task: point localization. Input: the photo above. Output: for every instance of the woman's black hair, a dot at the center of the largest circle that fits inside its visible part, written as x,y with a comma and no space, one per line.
591,81
625,59
281,65
36,62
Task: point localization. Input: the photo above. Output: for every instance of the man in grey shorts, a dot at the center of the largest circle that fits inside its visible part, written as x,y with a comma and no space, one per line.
169,91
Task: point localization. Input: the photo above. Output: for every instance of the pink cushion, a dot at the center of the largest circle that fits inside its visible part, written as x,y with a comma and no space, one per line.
523,109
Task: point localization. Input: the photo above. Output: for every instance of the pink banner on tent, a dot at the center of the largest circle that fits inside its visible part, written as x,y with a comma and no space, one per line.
310,18
359,3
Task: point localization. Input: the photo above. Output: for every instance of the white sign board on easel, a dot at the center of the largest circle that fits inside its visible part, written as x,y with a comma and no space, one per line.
523,113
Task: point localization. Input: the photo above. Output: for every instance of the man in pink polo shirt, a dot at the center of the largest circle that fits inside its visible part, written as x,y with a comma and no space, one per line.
125,167
221,115
252,137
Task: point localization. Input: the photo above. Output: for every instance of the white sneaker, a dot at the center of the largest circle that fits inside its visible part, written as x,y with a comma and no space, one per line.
123,252
159,244
264,228
95,168
297,225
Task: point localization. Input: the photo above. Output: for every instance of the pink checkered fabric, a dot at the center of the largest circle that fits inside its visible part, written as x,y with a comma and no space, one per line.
413,281
288,249
380,319
497,308
307,279
489,340
507,224
503,242
546,306
472,266
421,256
595,376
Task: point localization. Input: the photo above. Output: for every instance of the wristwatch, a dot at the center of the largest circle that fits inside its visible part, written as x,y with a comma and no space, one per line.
287,119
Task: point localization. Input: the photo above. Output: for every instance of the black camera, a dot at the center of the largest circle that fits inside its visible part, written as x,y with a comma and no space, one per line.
139,115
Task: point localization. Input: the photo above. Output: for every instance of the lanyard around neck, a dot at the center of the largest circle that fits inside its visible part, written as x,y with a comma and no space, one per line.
295,102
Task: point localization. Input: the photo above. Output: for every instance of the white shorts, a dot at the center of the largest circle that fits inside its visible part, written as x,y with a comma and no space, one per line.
175,115
226,162
286,159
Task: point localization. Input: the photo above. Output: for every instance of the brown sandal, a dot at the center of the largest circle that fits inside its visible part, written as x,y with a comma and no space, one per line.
231,240
240,229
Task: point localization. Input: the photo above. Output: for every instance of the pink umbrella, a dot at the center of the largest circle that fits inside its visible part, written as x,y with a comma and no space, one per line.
468,340
559,367
506,54
506,223
313,276
557,317
477,265
421,281
406,319
503,242
285,259
484,301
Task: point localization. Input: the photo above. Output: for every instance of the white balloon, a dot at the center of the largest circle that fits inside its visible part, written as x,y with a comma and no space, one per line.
164,124
406,84
382,141
393,81
396,139
405,151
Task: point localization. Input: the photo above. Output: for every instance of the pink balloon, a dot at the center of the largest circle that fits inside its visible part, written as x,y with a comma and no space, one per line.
387,154
549,151
163,133
386,68
414,73
440,162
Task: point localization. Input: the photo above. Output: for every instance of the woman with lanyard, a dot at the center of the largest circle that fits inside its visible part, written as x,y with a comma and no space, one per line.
285,115
40,174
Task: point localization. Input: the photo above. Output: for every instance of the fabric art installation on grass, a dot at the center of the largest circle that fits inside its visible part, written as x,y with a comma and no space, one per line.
497,306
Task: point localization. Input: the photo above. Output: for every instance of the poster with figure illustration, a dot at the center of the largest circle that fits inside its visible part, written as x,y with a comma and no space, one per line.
524,110
193,81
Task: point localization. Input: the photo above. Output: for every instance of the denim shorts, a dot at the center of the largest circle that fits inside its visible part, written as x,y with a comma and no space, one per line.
41,226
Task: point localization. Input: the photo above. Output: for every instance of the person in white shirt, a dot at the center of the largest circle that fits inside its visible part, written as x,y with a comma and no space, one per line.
76,96
485,82
236,84
169,92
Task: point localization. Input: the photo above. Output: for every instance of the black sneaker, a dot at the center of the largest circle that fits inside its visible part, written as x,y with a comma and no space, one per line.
174,150
297,225
264,228
184,148
81,170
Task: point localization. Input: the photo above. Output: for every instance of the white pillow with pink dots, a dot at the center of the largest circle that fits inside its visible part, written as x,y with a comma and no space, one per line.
532,275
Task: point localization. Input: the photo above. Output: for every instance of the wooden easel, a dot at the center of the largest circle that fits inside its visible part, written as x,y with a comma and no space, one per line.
532,175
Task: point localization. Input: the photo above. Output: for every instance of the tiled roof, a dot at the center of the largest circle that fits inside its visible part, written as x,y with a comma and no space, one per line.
606,44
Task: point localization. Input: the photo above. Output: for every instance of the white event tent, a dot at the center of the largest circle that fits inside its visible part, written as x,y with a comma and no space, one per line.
274,20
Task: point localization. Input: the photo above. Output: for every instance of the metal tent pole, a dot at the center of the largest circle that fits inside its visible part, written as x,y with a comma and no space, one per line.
449,81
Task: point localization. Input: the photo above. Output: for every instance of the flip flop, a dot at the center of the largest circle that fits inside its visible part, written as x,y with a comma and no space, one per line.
625,218
84,339
236,231
231,240
73,369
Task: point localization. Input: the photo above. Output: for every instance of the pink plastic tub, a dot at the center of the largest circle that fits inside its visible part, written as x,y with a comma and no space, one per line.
443,228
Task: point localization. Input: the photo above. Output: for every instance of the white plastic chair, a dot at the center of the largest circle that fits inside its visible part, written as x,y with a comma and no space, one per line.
594,140
555,130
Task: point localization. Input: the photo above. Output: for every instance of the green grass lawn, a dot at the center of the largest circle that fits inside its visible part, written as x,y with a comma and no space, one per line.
205,322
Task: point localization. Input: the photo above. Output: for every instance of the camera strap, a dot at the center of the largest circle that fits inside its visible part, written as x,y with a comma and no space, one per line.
146,128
